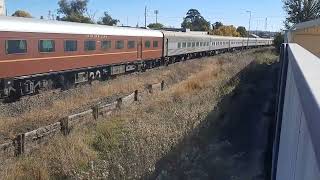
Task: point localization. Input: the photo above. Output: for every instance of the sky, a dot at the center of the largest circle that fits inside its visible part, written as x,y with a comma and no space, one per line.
171,12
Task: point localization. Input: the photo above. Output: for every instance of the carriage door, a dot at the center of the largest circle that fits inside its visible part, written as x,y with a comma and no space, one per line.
167,47
139,48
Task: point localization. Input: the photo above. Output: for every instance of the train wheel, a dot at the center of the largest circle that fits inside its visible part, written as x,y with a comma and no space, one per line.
65,84
13,97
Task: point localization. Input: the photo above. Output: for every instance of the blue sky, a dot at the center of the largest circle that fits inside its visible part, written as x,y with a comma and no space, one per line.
171,12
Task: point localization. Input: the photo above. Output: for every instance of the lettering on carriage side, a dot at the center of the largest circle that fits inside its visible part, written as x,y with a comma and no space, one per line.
97,36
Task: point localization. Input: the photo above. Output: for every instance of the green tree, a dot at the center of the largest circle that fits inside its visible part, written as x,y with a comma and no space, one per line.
74,11
108,20
21,13
300,11
217,25
242,31
155,26
226,31
278,40
195,22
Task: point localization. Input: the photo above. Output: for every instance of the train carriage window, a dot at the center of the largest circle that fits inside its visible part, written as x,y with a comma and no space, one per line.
106,45
131,44
201,44
147,44
179,45
197,44
189,44
89,45
184,45
193,44
119,44
16,46
70,45
46,46
155,44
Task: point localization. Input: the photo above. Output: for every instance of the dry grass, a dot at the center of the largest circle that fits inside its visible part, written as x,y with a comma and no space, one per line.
40,113
61,158
129,144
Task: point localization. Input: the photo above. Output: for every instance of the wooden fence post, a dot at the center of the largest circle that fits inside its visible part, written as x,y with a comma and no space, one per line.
119,103
149,87
95,112
65,126
19,142
136,95
162,85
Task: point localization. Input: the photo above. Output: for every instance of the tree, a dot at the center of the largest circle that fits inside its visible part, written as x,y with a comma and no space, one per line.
300,11
21,13
242,31
278,40
217,25
226,31
155,26
108,20
74,10
195,22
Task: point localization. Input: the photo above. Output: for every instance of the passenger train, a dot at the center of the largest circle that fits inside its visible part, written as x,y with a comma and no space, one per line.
40,55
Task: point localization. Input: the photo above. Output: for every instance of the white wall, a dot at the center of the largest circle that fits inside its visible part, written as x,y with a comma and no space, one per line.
297,159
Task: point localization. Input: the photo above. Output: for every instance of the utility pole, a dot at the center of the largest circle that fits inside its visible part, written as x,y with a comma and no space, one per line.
49,15
249,27
156,12
257,27
266,24
127,21
266,27
145,17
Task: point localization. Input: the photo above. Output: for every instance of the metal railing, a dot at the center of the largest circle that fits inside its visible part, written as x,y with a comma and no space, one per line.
296,153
